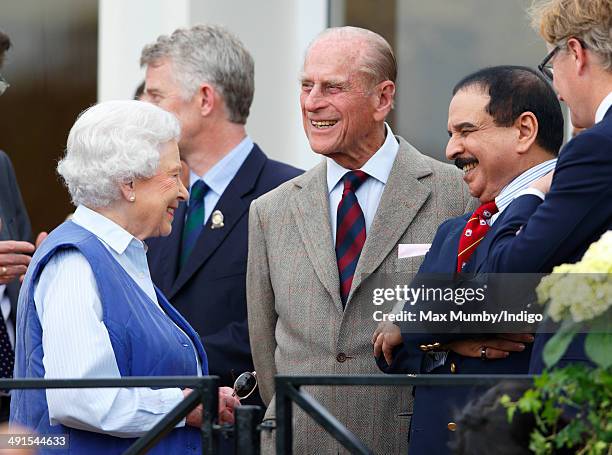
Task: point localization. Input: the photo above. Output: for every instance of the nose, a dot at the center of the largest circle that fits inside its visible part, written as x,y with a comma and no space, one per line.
313,100
454,148
183,194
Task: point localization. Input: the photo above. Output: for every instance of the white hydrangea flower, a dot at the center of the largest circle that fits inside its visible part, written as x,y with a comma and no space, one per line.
582,291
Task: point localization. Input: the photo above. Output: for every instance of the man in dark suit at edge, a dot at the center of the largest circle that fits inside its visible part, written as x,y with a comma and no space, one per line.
205,76
506,127
15,251
557,225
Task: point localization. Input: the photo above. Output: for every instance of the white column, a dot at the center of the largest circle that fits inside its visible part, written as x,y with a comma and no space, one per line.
124,27
276,32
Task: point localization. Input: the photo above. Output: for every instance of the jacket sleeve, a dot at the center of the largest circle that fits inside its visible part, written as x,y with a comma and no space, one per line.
260,306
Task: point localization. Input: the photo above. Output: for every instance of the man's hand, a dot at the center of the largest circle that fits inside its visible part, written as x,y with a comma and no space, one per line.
385,338
14,259
543,183
227,403
496,346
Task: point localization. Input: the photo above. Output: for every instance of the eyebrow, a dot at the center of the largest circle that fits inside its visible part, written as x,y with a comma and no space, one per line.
463,125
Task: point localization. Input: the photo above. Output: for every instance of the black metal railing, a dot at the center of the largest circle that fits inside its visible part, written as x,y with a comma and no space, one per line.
246,436
288,392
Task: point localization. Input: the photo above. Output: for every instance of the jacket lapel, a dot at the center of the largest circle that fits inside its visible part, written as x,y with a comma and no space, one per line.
402,198
310,206
233,206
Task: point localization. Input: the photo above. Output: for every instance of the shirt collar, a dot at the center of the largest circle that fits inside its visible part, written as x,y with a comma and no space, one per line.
603,108
221,174
106,230
509,192
378,166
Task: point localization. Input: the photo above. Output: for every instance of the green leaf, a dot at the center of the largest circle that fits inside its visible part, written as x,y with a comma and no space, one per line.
557,345
598,346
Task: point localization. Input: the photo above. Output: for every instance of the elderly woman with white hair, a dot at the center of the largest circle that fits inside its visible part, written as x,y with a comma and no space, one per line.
88,307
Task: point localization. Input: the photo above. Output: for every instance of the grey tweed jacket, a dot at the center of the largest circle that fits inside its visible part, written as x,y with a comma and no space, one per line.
297,324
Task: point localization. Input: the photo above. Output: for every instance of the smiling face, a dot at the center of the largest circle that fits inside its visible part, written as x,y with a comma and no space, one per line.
484,151
157,198
339,103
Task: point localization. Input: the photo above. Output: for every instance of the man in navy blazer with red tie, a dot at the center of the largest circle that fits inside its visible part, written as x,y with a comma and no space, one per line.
540,232
506,127
205,76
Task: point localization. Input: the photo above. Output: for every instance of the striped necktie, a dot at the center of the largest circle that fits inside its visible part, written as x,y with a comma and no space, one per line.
195,219
473,233
350,231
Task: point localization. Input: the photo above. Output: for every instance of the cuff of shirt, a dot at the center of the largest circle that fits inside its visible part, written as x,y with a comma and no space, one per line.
162,401
433,360
532,191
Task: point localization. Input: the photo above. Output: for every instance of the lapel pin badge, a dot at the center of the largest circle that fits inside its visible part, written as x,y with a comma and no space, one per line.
217,220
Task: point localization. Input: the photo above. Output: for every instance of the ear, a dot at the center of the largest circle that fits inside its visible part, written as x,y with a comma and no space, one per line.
579,53
206,99
385,96
128,190
527,129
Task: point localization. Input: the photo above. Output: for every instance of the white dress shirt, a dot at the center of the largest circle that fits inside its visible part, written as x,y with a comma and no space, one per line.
603,108
76,343
221,174
520,186
378,167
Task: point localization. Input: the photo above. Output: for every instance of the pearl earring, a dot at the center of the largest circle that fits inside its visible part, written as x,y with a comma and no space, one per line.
132,198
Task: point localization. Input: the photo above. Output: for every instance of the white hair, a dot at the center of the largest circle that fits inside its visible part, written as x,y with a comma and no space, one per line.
112,143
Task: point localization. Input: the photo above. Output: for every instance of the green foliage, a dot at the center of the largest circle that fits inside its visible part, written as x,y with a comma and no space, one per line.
572,408
598,346
557,345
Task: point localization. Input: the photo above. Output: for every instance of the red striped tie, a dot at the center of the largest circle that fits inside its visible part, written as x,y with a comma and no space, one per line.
350,231
474,231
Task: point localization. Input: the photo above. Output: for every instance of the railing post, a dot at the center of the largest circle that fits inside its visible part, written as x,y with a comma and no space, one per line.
209,395
246,433
284,417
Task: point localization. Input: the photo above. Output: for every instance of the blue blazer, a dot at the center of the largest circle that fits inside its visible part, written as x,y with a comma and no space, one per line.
210,290
576,212
434,407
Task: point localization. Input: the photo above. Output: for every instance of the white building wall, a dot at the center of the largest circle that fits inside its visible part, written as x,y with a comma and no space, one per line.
276,32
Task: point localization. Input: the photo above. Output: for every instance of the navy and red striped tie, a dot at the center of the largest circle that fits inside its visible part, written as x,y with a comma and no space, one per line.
350,232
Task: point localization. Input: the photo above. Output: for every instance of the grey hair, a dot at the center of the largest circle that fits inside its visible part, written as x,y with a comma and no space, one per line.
211,54
377,59
112,143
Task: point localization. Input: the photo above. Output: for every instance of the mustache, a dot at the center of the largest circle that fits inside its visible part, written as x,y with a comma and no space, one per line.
460,162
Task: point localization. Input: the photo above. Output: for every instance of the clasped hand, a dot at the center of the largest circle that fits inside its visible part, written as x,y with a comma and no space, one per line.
227,403
387,337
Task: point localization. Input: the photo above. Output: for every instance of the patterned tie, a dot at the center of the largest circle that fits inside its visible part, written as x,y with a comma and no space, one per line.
195,219
7,356
474,231
350,231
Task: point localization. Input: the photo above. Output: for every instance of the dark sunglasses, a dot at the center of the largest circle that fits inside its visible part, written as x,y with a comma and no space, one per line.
245,385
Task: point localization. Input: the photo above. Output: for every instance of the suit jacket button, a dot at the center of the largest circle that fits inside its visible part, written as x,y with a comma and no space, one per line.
452,426
453,367
341,357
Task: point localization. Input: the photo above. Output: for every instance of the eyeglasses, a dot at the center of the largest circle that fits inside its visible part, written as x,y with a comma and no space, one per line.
245,385
3,85
546,66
